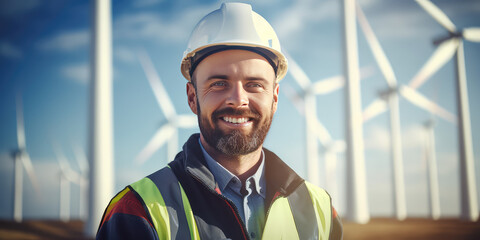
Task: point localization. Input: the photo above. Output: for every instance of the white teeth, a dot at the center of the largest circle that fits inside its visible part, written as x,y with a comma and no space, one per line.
235,120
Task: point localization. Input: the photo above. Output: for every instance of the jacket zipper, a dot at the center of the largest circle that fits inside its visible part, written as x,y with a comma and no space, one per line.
228,202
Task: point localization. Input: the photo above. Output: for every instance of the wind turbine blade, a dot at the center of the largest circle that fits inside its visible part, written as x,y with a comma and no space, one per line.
160,138
157,86
328,85
377,51
322,133
27,164
80,158
437,14
421,101
375,108
186,121
298,74
334,83
61,159
472,34
441,56
294,98
74,177
20,124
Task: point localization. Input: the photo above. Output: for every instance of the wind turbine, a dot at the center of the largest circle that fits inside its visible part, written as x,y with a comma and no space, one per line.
389,98
169,129
310,111
22,161
82,163
331,148
430,157
305,103
67,176
447,47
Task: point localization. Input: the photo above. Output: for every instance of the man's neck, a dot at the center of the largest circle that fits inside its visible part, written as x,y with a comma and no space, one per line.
243,166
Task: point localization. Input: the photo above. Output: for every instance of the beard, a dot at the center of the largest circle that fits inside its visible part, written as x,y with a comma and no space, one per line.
234,143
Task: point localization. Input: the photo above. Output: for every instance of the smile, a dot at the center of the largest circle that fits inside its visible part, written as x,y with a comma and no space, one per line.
235,120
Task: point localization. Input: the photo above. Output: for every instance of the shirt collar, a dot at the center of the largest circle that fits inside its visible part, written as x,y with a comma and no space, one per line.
224,177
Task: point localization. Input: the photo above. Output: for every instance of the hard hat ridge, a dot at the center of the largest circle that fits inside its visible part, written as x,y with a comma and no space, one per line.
233,26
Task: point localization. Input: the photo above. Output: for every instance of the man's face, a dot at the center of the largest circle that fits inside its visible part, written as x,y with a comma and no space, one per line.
235,99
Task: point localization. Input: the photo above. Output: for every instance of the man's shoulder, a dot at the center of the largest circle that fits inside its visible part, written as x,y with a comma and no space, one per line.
125,202
126,218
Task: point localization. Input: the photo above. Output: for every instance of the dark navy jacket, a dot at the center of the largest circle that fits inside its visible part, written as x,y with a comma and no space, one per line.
216,216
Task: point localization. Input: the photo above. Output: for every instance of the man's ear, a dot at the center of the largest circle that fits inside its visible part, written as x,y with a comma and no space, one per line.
192,97
275,97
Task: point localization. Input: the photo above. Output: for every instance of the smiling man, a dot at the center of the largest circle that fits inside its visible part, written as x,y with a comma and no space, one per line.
224,184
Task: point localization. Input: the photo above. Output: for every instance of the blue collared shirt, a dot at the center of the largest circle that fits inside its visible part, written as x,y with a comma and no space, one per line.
251,207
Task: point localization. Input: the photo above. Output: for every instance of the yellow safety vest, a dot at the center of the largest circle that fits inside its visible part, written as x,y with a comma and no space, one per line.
172,215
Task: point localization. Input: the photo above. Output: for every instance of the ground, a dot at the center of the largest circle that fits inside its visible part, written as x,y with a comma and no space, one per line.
377,228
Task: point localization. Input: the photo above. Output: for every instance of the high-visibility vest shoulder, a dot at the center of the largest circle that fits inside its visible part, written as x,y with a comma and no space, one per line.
304,214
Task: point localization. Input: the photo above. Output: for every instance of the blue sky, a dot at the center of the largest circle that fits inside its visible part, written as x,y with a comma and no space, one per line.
44,54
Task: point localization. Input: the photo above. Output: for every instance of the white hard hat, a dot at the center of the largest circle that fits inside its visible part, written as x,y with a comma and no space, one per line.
233,26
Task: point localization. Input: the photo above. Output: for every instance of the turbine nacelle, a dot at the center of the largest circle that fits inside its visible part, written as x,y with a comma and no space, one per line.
451,35
387,93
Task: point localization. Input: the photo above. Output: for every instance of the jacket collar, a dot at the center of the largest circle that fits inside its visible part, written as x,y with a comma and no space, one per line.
281,179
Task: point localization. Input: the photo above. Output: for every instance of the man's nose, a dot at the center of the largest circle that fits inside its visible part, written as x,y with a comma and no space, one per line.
238,96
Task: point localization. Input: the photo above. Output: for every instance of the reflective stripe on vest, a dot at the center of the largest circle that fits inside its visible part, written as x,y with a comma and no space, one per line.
299,216
168,205
323,209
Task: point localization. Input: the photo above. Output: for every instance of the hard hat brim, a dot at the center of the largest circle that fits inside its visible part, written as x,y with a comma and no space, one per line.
193,58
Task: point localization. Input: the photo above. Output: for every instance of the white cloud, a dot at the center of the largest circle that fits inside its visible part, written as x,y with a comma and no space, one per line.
67,41
125,54
8,50
146,3
79,73
151,26
298,16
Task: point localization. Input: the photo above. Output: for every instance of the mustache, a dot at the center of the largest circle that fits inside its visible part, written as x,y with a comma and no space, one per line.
249,113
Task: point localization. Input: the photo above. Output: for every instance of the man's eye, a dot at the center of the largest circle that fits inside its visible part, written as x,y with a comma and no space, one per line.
255,85
218,84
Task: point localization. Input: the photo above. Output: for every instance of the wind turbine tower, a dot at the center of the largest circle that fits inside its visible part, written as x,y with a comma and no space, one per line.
431,160
357,204
101,179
